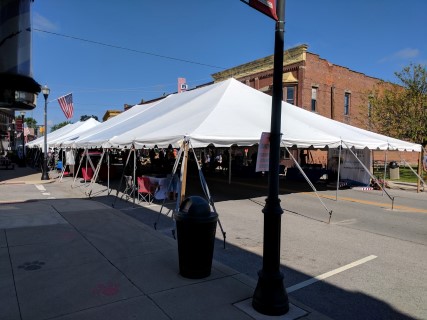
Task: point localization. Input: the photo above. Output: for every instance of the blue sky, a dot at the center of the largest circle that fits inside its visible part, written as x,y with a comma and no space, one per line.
164,40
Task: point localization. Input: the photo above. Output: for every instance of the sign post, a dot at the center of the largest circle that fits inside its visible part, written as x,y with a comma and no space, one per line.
270,295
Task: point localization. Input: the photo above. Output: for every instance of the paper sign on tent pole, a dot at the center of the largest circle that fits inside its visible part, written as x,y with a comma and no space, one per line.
263,156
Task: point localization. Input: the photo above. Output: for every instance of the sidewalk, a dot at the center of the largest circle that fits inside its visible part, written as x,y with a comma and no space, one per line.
81,259
22,175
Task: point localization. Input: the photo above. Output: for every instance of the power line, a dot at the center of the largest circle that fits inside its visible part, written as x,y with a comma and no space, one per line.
128,49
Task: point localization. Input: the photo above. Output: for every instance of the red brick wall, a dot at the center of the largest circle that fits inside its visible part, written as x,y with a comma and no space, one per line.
333,82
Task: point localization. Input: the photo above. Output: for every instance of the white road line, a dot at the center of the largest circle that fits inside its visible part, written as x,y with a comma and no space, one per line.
40,187
329,274
46,193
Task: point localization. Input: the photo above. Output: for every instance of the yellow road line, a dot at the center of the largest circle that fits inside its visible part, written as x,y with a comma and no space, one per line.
371,203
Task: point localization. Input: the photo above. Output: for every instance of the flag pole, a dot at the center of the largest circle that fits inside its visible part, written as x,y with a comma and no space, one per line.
270,297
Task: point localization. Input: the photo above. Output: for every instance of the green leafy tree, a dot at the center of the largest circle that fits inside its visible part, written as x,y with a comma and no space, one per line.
59,125
400,110
85,117
31,122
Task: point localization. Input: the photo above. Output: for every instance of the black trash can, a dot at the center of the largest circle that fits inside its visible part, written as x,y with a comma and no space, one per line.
394,170
393,165
196,228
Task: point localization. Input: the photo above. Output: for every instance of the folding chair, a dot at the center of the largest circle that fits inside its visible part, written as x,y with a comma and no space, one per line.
146,190
130,189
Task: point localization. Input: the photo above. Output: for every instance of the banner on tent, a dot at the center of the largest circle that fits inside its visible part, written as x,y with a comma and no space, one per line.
70,157
350,168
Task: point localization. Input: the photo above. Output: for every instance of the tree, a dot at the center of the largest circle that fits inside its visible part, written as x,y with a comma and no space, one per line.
400,110
85,117
59,125
31,122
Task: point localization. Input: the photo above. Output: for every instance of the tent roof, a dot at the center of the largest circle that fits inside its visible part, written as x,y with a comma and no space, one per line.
63,132
98,136
231,112
224,114
75,133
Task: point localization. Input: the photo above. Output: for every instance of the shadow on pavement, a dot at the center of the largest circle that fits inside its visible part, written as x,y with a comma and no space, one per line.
333,301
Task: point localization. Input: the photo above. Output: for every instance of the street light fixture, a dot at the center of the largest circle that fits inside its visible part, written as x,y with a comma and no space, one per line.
45,175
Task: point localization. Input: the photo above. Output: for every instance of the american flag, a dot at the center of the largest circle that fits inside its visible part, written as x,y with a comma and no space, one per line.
66,103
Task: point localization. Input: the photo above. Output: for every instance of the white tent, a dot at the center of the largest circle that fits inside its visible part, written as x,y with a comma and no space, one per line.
38,143
98,136
75,133
65,132
229,113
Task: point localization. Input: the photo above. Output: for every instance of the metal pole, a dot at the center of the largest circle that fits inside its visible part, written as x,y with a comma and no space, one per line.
45,175
270,295
23,141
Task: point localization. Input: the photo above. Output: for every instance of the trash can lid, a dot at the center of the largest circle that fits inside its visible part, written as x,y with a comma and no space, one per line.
393,165
195,205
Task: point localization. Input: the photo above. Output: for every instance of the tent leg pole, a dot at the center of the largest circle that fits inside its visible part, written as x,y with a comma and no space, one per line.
338,174
385,171
229,166
184,173
419,171
108,171
134,188
121,180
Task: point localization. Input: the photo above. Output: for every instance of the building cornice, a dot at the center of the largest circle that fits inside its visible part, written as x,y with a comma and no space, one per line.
290,56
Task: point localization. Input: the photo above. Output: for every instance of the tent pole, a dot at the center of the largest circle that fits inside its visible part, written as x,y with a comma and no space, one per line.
121,180
108,171
385,170
229,165
96,174
372,176
207,193
420,163
134,175
171,186
87,156
311,184
184,173
78,168
419,177
339,169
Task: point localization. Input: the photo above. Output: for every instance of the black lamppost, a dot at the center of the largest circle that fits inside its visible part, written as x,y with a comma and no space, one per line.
270,295
12,133
45,175
22,162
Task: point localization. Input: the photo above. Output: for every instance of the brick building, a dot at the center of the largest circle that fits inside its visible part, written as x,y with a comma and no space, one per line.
317,85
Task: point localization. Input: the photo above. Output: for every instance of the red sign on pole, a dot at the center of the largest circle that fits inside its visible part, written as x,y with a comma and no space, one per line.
18,126
268,7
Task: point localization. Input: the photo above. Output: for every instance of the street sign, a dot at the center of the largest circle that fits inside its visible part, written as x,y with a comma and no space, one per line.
268,7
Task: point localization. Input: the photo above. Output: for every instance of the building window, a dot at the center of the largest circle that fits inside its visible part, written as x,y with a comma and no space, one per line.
313,99
290,95
347,104
284,154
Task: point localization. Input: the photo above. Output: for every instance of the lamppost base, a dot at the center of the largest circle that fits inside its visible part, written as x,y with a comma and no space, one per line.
45,176
270,297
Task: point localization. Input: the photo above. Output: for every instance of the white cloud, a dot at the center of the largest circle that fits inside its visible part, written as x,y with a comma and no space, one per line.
407,53
43,23
404,54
